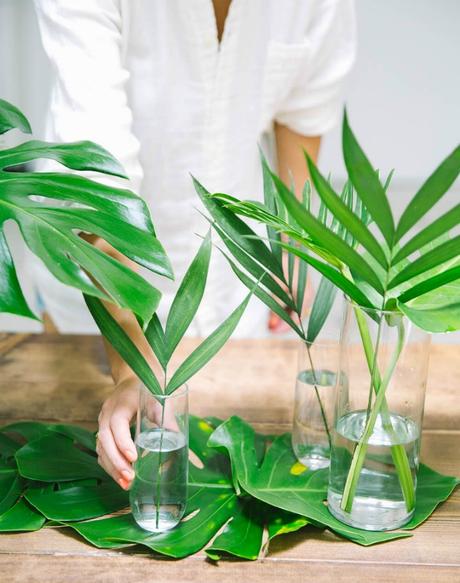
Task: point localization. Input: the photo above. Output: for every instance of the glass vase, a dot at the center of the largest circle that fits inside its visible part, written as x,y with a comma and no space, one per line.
159,491
314,402
378,419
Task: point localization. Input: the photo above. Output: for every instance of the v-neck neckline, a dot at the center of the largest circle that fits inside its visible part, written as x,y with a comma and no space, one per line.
209,14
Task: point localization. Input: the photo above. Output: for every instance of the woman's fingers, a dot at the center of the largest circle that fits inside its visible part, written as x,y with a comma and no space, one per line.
119,424
119,467
107,465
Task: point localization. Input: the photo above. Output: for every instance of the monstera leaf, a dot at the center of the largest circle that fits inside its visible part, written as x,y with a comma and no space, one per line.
51,208
240,488
55,477
286,484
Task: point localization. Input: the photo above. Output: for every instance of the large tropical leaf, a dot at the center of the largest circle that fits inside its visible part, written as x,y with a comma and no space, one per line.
50,209
11,118
283,482
269,485
212,501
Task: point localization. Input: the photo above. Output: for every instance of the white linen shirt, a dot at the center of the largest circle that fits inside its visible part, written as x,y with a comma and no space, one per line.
149,81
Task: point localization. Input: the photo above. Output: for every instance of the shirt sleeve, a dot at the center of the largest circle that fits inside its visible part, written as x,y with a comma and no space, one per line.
84,42
314,103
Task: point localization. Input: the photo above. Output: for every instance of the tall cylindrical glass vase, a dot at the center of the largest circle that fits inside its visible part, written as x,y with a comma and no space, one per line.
159,491
378,419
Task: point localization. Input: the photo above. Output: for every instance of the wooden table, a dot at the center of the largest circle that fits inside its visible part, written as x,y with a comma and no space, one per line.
65,378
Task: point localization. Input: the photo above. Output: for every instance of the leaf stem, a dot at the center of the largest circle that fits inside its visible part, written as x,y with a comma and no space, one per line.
380,407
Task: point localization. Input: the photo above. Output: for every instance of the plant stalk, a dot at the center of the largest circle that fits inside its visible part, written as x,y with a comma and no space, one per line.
380,407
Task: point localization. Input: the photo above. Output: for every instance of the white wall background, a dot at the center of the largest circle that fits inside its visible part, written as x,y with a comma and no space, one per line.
403,96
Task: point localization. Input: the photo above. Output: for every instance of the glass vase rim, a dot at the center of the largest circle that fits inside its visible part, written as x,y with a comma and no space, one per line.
353,304
181,391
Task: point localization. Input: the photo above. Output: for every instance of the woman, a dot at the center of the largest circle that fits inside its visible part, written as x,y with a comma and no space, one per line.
173,87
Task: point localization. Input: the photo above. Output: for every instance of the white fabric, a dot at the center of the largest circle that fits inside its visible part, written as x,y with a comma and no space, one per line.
148,80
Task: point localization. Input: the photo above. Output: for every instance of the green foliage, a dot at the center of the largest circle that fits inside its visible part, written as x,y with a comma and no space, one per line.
284,483
273,492
260,266
51,207
371,263
164,342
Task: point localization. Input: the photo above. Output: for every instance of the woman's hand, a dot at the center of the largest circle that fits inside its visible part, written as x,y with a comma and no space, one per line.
115,448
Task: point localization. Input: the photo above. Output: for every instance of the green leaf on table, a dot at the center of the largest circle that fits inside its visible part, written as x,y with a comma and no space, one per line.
11,486
78,502
284,483
432,489
242,536
11,118
55,458
21,517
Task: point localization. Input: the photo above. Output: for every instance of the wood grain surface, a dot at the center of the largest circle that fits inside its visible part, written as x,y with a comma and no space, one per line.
66,378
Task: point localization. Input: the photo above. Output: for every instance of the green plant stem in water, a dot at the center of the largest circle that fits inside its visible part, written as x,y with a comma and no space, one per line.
323,412
380,407
158,488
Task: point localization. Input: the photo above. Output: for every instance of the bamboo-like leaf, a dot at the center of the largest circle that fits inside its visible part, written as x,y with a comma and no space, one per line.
430,284
254,268
11,118
366,183
322,305
439,319
270,202
122,343
301,284
155,336
207,349
431,259
345,216
438,227
188,297
430,193
239,232
326,238
265,297
348,287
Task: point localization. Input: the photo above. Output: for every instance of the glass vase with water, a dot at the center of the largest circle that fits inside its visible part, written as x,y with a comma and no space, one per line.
378,419
158,494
